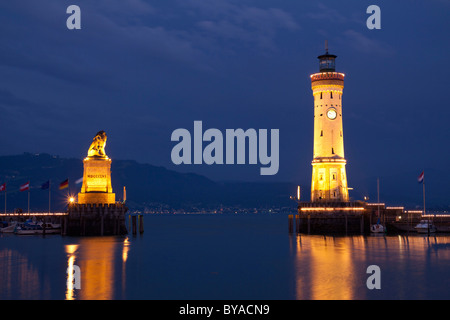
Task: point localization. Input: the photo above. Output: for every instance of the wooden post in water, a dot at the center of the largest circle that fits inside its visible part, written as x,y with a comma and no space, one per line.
297,223
309,223
101,225
291,224
346,223
362,223
84,226
141,224
65,226
133,221
114,224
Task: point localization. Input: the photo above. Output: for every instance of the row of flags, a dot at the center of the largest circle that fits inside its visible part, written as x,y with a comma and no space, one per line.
45,185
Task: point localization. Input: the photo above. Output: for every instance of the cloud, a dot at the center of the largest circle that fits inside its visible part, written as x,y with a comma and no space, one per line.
327,14
240,22
189,32
365,44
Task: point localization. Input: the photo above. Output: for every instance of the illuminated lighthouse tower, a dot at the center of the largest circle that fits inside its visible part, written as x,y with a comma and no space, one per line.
329,180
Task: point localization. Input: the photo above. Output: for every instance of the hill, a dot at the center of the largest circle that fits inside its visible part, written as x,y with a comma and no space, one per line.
151,187
147,185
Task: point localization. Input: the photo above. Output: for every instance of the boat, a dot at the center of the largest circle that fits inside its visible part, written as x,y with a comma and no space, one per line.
51,228
26,228
37,228
10,228
425,226
377,228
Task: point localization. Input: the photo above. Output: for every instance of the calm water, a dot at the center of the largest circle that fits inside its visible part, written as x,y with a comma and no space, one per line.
224,257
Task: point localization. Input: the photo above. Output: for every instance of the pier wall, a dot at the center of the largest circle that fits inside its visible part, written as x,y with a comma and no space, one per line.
333,223
95,220
350,218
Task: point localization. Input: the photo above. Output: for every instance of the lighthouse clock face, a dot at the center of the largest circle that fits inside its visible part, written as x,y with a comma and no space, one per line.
331,114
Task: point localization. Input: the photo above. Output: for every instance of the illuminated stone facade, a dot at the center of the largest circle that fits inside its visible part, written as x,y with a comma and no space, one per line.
329,179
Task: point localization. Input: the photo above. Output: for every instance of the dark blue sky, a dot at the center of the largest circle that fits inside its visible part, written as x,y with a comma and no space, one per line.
141,69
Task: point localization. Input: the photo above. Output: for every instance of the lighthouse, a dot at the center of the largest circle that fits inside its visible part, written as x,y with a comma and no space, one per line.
329,178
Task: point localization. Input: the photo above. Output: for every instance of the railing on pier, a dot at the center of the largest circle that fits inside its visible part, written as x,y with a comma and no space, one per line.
33,214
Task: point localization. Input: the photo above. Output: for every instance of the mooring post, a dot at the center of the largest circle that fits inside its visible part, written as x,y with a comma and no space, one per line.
346,222
101,225
66,218
362,223
114,219
133,221
309,223
291,225
141,224
297,223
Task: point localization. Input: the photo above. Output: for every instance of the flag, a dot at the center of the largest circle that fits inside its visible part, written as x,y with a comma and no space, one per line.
45,185
25,186
420,178
64,184
79,181
3,187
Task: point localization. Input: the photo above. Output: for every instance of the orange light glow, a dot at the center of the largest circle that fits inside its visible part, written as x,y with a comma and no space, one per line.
332,209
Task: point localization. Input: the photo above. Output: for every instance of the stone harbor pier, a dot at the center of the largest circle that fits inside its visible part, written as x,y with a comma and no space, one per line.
95,220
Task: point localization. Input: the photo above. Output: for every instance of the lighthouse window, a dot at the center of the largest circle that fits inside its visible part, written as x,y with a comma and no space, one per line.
332,150
334,177
331,95
321,95
321,133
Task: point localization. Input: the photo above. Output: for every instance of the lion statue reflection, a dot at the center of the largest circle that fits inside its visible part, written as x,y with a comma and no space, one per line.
97,148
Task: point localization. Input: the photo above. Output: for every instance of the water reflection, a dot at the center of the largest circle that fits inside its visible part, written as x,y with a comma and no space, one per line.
19,278
70,288
98,260
335,267
125,249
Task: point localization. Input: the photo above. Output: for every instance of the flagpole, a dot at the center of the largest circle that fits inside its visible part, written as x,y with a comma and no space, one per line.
49,187
5,199
424,211
423,195
28,199
378,196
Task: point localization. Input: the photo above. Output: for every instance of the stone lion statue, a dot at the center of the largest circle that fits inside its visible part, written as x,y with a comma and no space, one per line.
97,148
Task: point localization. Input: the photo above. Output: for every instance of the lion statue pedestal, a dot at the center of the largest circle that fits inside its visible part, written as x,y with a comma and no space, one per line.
97,174
96,212
96,182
